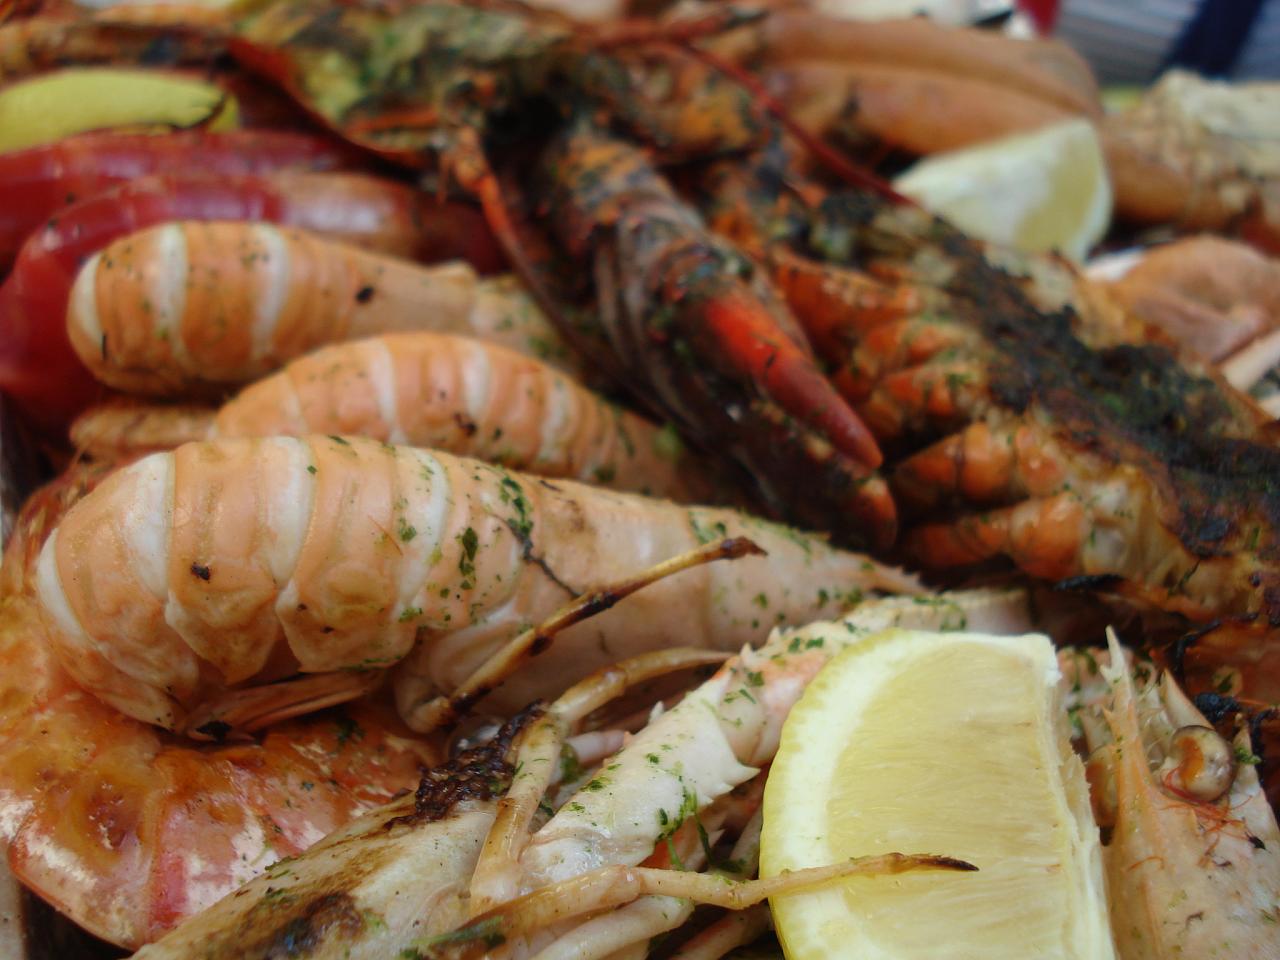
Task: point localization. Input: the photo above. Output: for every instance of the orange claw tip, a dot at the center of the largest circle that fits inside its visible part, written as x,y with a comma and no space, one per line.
754,342
876,508
847,431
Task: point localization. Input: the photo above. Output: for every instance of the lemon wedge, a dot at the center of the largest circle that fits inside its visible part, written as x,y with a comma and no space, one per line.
54,105
1039,191
944,743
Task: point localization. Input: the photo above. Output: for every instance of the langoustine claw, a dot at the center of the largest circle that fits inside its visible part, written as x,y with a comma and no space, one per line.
717,349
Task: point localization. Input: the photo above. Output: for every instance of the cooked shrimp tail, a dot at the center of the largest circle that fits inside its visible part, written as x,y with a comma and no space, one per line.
445,391
234,563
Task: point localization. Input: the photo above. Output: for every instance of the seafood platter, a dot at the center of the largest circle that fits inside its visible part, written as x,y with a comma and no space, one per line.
618,480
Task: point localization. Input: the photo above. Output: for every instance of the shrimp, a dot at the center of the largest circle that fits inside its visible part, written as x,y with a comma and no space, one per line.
191,573
188,824
1190,841
37,365
457,872
126,829
125,428
1050,71
184,309
36,183
434,390
718,353
1199,154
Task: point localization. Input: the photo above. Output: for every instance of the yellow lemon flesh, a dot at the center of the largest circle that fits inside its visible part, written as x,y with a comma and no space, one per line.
54,105
944,743
1039,191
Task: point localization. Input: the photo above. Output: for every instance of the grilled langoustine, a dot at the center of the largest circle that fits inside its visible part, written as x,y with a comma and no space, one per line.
230,563
126,829
443,391
192,308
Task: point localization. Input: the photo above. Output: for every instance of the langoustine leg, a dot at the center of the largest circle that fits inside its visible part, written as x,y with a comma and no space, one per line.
333,555
567,870
380,858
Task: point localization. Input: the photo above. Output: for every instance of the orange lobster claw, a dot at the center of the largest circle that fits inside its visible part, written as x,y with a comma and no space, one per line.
754,343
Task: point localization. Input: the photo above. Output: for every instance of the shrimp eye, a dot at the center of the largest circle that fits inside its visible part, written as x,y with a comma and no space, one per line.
1201,765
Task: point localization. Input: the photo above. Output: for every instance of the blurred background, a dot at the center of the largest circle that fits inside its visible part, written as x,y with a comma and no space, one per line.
1128,43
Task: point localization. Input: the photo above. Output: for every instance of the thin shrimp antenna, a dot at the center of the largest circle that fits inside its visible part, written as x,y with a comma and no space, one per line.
444,712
